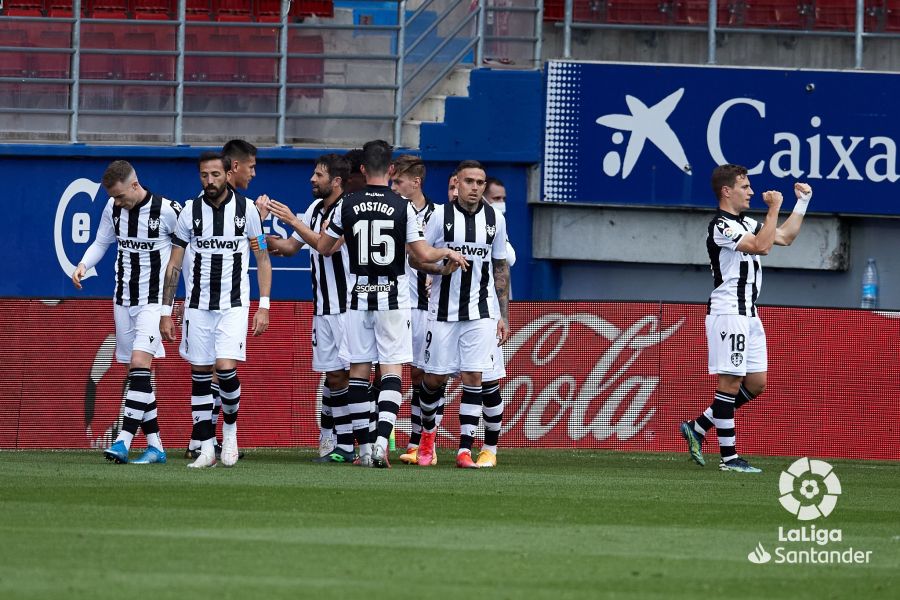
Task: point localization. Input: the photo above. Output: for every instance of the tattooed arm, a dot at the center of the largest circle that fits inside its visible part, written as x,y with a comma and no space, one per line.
170,286
501,285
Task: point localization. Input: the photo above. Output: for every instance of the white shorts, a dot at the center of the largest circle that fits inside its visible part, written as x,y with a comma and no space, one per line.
736,344
381,336
210,334
454,346
498,365
419,320
137,328
328,343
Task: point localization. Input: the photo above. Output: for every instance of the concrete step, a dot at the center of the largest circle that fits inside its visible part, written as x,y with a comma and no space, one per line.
409,133
455,84
431,109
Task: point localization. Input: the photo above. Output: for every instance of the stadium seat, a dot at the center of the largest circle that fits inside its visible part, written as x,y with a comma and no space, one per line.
305,70
269,11
197,10
236,11
23,8
14,63
161,10
696,12
835,15
785,14
892,15
107,9
640,12
312,8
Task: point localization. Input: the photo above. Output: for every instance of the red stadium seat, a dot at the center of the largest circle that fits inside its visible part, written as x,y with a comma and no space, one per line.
312,8
696,12
14,63
107,9
786,14
836,14
233,11
153,9
640,12
268,11
305,70
197,10
892,15
24,8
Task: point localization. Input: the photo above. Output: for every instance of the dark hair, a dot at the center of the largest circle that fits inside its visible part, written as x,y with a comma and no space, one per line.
468,164
117,171
238,149
337,166
726,176
376,157
408,164
492,181
213,155
355,158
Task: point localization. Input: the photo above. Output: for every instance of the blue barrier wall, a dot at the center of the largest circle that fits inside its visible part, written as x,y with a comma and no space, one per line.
54,198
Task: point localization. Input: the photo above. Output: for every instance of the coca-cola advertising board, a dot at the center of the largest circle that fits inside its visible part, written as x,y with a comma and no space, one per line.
589,375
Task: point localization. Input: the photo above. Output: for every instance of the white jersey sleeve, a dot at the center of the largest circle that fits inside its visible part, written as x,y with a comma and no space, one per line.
414,232
498,246
307,220
432,231
336,228
169,217
183,230
727,234
254,222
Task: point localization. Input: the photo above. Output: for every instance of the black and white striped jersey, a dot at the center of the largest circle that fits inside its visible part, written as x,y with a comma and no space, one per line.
376,225
329,274
737,276
219,242
144,236
418,293
480,238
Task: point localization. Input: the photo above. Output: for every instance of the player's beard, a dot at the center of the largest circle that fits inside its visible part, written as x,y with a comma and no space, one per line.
212,192
322,192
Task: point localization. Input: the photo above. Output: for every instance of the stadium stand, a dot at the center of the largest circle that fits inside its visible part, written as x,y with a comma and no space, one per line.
240,11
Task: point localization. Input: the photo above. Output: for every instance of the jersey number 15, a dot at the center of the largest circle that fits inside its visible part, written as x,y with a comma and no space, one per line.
374,240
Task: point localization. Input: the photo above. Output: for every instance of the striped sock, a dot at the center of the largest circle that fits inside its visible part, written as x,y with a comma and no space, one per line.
217,402
723,418
743,397
138,396
343,424
429,403
388,407
415,419
358,400
202,405
374,393
492,403
230,392
704,422
469,415
326,413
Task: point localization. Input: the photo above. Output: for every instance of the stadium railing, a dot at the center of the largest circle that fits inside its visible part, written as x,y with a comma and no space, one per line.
858,19
183,71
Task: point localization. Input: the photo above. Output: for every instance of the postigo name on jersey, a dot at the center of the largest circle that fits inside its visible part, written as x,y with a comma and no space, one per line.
136,245
382,207
816,551
215,244
469,250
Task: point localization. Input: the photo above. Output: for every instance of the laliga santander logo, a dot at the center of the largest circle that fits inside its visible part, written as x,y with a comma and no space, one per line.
808,478
81,223
609,400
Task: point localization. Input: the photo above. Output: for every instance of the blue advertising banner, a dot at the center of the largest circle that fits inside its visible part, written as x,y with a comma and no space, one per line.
650,135
54,201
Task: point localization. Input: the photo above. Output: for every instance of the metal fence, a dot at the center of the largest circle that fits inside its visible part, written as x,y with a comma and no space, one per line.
718,18
329,81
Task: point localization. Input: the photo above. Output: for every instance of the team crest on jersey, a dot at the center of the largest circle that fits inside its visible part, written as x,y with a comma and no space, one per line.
491,229
737,358
239,221
153,224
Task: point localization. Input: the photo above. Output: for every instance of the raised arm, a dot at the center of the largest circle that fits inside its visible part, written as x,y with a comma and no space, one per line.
762,242
787,232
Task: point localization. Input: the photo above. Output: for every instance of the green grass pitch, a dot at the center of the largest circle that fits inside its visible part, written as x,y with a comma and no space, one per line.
544,524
